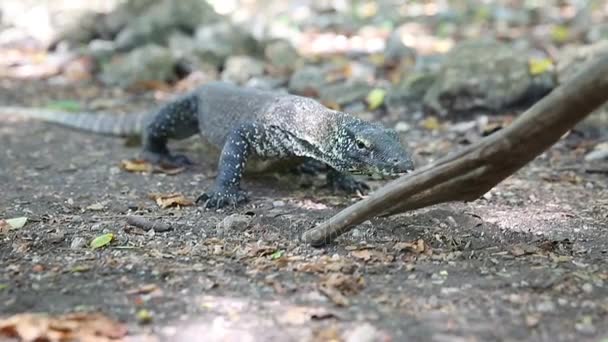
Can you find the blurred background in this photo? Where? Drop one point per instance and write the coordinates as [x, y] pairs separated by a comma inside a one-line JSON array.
[[407, 63]]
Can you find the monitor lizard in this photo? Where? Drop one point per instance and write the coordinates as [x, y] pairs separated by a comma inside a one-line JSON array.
[[246, 122]]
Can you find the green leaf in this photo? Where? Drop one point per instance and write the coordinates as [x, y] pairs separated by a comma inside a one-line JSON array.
[[102, 240], [279, 253], [539, 66], [65, 105], [3, 287], [560, 33], [144, 316], [375, 98], [16, 222]]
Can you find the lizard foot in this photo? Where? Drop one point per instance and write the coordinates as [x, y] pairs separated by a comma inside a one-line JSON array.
[[167, 160], [222, 198], [344, 182]]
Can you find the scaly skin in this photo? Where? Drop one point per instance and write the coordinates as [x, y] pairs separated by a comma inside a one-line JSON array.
[[246, 123]]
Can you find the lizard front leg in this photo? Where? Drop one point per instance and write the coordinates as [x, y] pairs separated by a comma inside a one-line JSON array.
[[343, 181], [236, 150]]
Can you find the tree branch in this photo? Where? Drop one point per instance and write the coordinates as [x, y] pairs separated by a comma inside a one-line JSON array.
[[468, 174]]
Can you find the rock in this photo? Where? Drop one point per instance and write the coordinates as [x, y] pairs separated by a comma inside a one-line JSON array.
[[240, 69], [278, 204], [344, 92], [402, 126], [307, 81], [569, 63], [147, 63], [234, 222], [396, 51], [600, 152], [99, 49], [159, 20], [216, 42], [572, 59], [266, 83], [597, 33], [407, 96], [78, 242], [281, 55], [364, 332], [485, 76]]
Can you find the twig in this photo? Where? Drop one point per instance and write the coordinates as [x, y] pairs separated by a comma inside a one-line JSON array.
[[468, 174], [145, 224]]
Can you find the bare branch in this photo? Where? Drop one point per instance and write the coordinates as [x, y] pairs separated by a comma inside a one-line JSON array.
[[468, 174]]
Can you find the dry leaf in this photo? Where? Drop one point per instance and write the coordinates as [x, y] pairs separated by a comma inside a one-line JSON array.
[[431, 123], [363, 254], [336, 286], [171, 200], [298, 315], [140, 165], [419, 246], [69, 327]]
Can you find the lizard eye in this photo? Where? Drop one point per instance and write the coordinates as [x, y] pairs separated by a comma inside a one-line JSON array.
[[361, 144]]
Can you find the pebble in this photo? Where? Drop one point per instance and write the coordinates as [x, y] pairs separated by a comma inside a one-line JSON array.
[[78, 242]]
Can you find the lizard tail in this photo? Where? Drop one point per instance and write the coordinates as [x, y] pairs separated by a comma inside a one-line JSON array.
[[124, 125]]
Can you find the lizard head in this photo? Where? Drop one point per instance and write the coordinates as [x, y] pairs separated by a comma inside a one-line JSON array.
[[372, 149]]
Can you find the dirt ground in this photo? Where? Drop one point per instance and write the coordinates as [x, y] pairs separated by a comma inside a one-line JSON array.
[[525, 263]]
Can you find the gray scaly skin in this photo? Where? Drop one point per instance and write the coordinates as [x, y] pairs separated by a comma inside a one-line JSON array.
[[246, 122]]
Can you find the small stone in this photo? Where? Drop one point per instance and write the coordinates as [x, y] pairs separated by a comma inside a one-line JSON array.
[[148, 63], [600, 152], [239, 69], [235, 222], [402, 126], [307, 81], [281, 55], [277, 204], [546, 306], [78, 242], [587, 288], [363, 333]]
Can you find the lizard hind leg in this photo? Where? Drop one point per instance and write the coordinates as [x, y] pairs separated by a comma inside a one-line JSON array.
[[174, 120]]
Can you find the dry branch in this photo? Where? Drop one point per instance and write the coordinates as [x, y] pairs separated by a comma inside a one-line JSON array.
[[468, 174]]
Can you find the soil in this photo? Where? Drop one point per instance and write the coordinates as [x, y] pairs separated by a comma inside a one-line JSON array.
[[527, 262]]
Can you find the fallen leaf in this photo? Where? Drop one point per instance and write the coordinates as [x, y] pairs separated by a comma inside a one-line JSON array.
[[69, 327], [139, 165], [560, 34], [375, 98], [276, 255], [144, 289], [96, 207], [419, 246], [298, 315], [336, 286], [3, 287], [135, 165], [538, 66], [171, 200], [17, 222], [102, 240], [362, 254], [431, 123], [143, 316]]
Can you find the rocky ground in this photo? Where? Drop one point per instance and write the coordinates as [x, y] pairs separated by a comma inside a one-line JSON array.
[[525, 262]]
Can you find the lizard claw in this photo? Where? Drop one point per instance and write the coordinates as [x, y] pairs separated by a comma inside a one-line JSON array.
[[167, 160], [346, 183], [223, 198]]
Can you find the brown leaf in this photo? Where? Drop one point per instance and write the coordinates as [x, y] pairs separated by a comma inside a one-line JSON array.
[[298, 315], [523, 249], [171, 200], [363, 254], [336, 286], [4, 227], [419, 246], [76, 326], [140, 165]]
